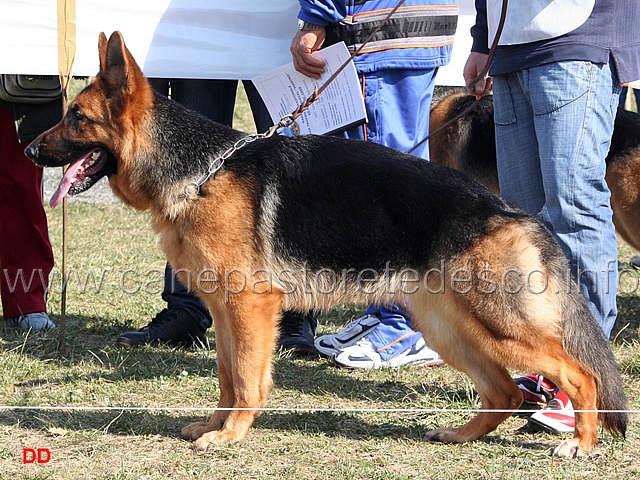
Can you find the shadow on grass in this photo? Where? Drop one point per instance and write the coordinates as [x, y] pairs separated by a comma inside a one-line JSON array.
[[95, 358], [351, 426], [85, 342]]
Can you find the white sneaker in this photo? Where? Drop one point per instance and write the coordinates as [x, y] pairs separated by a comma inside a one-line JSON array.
[[33, 321], [332, 344], [556, 417], [363, 355]]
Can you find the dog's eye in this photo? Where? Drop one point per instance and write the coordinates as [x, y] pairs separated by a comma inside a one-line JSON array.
[[76, 114]]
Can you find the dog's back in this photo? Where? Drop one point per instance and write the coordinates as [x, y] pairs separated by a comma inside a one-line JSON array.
[[399, 197]]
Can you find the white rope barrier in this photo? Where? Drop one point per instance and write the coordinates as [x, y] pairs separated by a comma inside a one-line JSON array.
[[290, 409]]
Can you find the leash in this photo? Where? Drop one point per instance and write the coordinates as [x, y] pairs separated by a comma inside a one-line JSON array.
[[483, 73], [193, 189], [66, 16], [288, 120]]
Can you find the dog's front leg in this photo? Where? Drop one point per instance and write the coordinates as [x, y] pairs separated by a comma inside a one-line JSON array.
[[246, 332]]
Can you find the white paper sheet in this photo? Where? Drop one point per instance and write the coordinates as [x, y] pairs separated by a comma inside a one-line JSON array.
[[339, 107]]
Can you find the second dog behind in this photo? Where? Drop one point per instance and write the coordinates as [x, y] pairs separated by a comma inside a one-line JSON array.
[[469, 145]]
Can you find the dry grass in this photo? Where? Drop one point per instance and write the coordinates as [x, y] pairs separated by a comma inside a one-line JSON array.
[[90, 371]]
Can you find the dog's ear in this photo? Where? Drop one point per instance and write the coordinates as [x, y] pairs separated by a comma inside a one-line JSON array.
[[116, 63], [102, 51], [120, 72]]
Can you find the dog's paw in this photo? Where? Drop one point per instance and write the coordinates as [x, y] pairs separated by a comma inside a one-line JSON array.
[[216, 438], [570, 449], [195, 430], [444, 435]]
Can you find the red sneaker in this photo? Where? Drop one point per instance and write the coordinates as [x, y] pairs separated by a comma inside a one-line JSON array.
[[537, 390]]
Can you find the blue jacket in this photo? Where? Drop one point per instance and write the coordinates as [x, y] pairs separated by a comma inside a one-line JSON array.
[[611, 32], [413, 45]]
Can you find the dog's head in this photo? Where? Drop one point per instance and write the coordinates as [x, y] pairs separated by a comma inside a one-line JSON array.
[[100, 124]]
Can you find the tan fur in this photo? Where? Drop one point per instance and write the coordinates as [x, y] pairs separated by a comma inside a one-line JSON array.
[[622, 178], [447, 147], [482, 342], [444, 145]]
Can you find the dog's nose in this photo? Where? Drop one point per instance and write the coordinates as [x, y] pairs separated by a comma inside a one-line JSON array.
[[31, 151]]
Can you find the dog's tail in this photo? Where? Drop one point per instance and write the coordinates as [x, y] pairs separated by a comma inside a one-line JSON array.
[[584, 340]]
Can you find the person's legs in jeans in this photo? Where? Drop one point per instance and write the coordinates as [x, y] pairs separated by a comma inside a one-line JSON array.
[[398, 103], [570, 108], [553, 129]]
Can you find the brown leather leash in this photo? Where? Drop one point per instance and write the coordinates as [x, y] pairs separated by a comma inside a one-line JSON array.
[[193, 189], [483, 73]]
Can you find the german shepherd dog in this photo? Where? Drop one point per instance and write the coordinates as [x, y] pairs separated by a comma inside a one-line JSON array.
[[469, 145], [317, 221]]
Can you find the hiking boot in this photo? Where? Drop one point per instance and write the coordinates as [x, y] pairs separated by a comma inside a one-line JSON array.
[[297, 332], [537, 391], [331, 344], [556, 417], [33, 321], [362, 355], [173, 327]]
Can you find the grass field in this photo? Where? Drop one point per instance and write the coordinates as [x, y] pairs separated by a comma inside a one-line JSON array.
[[115, 281]]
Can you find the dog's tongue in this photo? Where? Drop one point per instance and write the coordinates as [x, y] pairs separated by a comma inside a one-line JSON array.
[[65, 184]]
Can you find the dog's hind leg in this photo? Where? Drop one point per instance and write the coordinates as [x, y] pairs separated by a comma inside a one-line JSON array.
[[496, 390], [459, 337], [580, 386], [245, 339]]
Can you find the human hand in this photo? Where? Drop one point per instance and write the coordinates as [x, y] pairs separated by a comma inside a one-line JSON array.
[[472, 69], [303, 46]]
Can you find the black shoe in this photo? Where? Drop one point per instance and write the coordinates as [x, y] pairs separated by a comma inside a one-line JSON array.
[[635, 262], [297, 333], [173, 327]]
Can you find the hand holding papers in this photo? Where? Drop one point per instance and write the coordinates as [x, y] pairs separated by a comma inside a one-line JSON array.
[[339, 107]]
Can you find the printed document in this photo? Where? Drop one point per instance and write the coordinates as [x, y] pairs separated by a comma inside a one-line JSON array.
[[339, 107]]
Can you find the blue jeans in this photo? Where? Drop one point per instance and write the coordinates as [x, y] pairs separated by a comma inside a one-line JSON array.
[[553, 130], [215, 99]]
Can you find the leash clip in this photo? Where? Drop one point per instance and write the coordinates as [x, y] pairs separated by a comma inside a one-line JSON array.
[[193, 189]]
